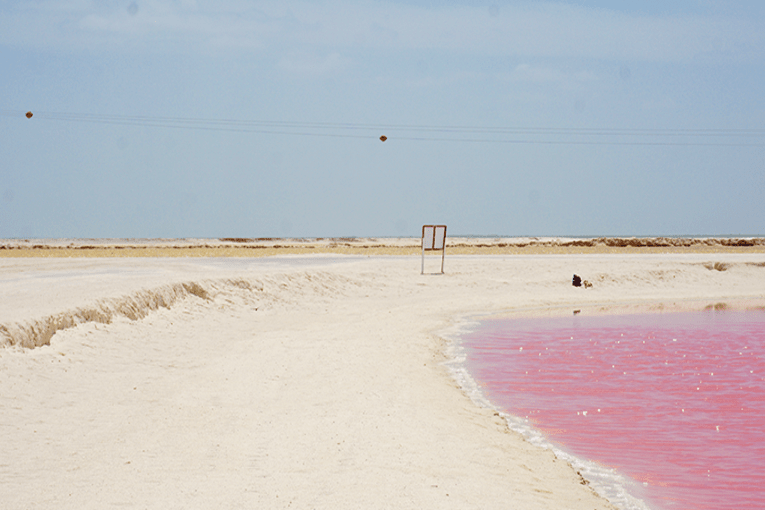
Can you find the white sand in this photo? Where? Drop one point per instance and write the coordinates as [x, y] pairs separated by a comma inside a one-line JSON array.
[[293, 382]]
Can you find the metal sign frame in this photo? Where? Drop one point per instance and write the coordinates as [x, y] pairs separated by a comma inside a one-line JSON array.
[[433, 239]]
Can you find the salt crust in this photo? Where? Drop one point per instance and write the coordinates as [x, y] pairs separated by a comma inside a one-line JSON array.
[[300, 382]]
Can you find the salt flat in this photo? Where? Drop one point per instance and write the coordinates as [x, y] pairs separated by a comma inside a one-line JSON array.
[[292, 382]]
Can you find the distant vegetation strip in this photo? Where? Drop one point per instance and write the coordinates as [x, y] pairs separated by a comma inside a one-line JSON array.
[[263, 247]]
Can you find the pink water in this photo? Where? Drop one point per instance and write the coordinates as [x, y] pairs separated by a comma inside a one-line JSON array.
[[673, 401]]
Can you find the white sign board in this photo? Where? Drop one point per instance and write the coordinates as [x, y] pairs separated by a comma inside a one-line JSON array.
[[433, 238]]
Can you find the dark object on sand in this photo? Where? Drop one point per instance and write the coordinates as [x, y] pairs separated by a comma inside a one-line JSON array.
[[29, 115], [576, 281], [383, 138]]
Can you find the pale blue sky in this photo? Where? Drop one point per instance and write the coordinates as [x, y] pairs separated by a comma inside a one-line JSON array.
[[556, 70]]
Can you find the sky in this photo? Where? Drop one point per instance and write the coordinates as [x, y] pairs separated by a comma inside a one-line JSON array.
[[234, 118]]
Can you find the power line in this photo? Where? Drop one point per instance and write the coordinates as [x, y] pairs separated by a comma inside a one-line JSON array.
[[419, 133]]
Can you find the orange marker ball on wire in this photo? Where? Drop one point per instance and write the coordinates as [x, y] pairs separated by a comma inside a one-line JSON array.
[[383, 138], [29, 115]]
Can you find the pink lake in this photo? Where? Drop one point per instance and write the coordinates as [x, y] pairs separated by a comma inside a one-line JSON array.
[[674, 401]]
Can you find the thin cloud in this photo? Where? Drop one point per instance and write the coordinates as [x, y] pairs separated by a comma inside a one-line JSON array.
[[313, 65], [537, 74], [539, 29]]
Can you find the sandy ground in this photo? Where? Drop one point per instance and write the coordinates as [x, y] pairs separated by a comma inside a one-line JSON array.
[[301, 381]]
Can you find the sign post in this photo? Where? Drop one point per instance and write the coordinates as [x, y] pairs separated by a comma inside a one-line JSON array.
[[433, 239]]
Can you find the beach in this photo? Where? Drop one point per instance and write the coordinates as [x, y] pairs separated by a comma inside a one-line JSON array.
[[302, 374]]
